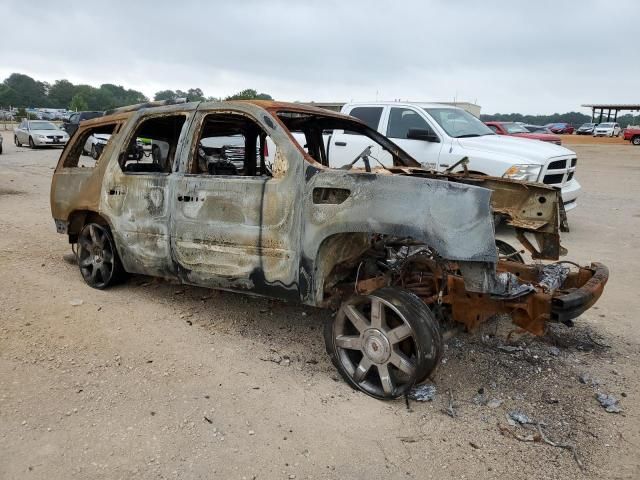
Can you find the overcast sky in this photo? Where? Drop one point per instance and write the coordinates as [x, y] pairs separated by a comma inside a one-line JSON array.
[[538, 57]]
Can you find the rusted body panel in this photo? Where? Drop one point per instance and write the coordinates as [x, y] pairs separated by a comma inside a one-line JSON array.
[[299, 233]]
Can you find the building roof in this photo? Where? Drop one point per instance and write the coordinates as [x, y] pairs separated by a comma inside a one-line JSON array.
[[614, 106]]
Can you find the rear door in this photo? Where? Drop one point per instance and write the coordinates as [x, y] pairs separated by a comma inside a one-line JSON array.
[[344, 146], [136, 194], [399, 121]]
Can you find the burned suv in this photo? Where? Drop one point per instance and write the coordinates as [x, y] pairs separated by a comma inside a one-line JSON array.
[[242, 196]]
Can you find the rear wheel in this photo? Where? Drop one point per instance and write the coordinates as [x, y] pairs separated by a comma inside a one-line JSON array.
[[384, 342], [97, 257]]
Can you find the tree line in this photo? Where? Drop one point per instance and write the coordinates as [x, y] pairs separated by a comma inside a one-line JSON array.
[[22, 91]]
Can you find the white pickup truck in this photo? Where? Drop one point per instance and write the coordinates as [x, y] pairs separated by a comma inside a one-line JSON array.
[[439, 135]]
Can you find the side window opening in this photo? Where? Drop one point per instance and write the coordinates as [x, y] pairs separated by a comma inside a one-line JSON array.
[[401, 120], [86, 151], [368, 115], [313, 132], [152, 147], [231, 144]]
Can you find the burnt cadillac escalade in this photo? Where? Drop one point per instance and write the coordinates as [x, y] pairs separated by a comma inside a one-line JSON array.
[[242, 196]]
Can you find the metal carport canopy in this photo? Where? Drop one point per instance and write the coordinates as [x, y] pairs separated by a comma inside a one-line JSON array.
[[610, 107]]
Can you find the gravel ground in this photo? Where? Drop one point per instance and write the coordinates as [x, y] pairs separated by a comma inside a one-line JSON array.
[[157, 380]]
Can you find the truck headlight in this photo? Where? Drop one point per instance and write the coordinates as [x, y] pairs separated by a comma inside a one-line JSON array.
[[525, 173]]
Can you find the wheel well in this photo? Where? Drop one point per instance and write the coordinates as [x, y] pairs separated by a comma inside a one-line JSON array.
[[79, 218], [336, 258]]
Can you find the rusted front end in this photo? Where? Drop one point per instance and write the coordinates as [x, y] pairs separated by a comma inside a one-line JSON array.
[[440, 285]]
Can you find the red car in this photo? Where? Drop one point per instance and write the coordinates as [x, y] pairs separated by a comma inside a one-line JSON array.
[[632, 134], [560, 128], [517, 130]]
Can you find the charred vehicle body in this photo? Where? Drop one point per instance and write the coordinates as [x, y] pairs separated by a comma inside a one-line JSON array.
[[398, 251]]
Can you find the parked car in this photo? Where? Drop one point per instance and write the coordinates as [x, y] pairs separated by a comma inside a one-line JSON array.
[[438, 136], [95, 143], [39, 133], [586, 129], [71, 125], [632, 134], [537, 129], [517, 130], [381, 246], [607, 129], [0, 144], [560, 128]]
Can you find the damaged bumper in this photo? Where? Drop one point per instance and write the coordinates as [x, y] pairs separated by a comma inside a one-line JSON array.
[[564, 308]]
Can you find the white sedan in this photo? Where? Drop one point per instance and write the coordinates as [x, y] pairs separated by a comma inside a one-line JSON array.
[[38, 133], [608, 129]]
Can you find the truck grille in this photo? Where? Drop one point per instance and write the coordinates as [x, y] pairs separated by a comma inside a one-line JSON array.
[[560, 172]]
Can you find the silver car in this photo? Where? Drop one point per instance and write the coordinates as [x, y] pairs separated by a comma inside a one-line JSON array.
[[39, 133]]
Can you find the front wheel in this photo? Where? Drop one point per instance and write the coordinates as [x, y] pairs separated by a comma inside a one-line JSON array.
[[94, 152], [31, 144], [636, 140], [16, 141], [97, 257], [385, 342]]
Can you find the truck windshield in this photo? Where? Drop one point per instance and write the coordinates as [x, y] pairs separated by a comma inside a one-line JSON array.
[[459, 123]]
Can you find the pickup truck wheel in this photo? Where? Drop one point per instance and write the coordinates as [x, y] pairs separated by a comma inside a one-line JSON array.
[[384, 342], [636, 140], [97, 257]]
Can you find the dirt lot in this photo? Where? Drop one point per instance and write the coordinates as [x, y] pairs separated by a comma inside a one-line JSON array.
[[157, 380]]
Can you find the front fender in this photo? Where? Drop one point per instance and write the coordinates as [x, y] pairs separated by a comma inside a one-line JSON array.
[[454, 219]]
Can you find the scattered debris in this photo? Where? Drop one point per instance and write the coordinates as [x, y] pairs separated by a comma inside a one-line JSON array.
[[423, 393], [474, 445], [409, 439], [520, 417], [587, 379], [548, 397], [555, 351], [479, 399], [609, 402], [76, 302], [539, 436], [450, 410], [494, 403], [208, 420], [510, 348]]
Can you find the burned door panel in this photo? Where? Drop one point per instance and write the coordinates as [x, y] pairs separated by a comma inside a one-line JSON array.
[[135, 195], [238, 231]]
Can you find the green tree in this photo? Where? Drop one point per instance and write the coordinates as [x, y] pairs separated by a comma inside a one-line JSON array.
[[249, 94], [78, 103], [165, 95], [25, 91], [61, 93]]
